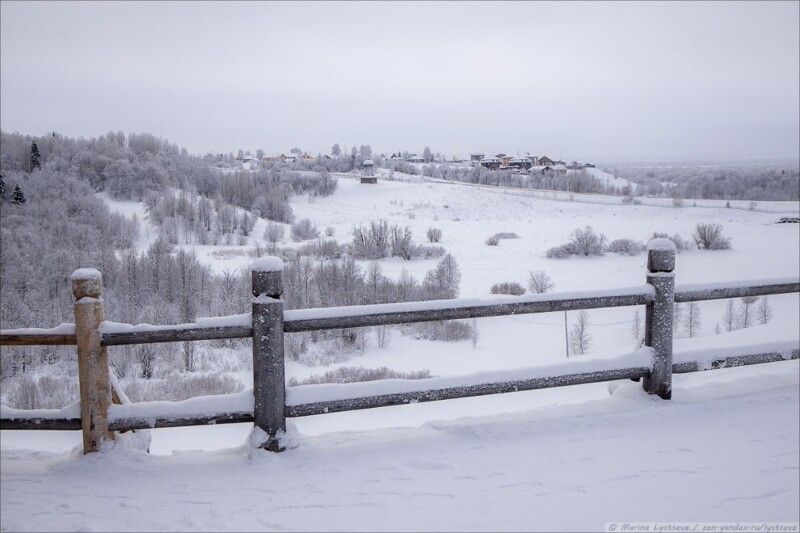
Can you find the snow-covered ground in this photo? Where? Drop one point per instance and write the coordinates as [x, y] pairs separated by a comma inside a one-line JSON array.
[[724, 449]]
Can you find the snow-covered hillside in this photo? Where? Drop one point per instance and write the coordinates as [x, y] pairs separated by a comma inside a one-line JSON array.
[[523, 461]]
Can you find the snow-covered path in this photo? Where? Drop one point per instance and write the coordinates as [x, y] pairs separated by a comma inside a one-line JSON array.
[[725, 449]]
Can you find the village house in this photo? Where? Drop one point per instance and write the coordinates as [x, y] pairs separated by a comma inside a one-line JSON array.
[[416, 159], [492, 163], [520, 163]]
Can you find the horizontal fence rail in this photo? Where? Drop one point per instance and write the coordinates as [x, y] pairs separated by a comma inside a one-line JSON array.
[[165, 417], [404, 313], [717, 291], [63, 335], [269, 403]]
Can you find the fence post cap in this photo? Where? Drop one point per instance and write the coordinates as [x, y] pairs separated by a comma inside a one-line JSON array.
[[268, 264], [86, 282], [267, 276], [661, 255]]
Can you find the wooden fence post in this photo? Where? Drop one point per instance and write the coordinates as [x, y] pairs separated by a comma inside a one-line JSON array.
[[269, 387], [659, 315], [93, 374]]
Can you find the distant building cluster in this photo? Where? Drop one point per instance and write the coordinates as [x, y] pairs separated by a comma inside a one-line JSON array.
[[524, 164]]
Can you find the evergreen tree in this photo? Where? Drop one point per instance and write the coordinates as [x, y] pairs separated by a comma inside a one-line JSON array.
[[2, 189], [36, 157], [18, 198]]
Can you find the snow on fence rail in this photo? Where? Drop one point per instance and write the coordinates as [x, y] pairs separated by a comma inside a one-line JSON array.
[[268, 404]]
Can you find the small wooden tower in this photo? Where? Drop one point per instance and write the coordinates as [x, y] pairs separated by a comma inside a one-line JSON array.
[[369, 173]]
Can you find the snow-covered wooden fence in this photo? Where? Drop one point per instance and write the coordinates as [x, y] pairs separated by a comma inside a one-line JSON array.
[[270, 403]]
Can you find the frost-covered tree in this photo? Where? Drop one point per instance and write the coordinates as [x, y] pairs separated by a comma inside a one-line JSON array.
[[746, 311], [426, 155], [729, 317], [17, 197], [677, 316], [579, 337], [539, 282], [691, 321], [764, 311], [709, 237], [443, 282], [637, 325], [336, 150], [434, 234]]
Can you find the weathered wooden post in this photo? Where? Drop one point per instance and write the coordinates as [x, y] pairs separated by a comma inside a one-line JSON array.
[[93, 374], [659, 315], [269, 388]]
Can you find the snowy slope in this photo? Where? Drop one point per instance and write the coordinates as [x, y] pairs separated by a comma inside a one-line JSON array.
[[724, 449]]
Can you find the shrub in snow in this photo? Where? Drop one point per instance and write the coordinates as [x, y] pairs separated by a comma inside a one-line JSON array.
[[304, 230], [428, 252], [178, 387], [584, 242], [46, 392], [354, 374], [709, 237], [626, 247], [539, 282], [497, 237], [508, 287], [448, 330], [434, 234], [274, 232]]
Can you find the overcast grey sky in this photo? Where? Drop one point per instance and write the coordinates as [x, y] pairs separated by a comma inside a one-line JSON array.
[[574, 80]]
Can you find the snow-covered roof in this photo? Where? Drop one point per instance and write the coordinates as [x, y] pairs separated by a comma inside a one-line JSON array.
[[490, 159], [521, 160], [368, 163]]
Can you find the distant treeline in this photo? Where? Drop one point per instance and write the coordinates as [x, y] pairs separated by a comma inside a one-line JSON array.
[[742, 182]]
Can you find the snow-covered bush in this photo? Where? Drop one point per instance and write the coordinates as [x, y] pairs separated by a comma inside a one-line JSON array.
[[274, 232], [448, 330], [709, 237], [626, 247], [45, 392], [508, 287], [354, 374], [539, 282], [434, 234], [584, 242], [428, 252], [492, 241], [304, 230], [178, 387]]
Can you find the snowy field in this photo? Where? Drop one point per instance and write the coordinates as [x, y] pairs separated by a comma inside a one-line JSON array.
[[726, 448]]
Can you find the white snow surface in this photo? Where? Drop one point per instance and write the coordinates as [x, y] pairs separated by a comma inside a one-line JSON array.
[[725, 449]]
